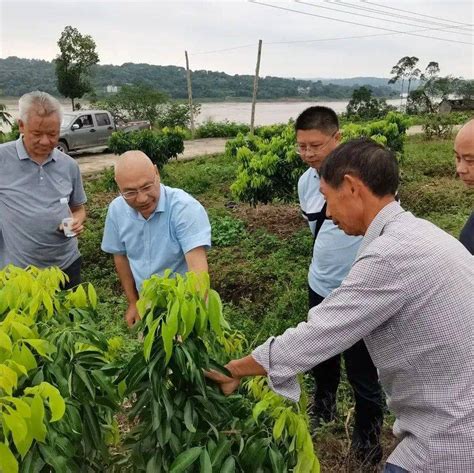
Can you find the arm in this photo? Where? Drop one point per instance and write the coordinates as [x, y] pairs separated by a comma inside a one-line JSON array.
[[196, 259], [371, 294], [128, 284], [79, 216]]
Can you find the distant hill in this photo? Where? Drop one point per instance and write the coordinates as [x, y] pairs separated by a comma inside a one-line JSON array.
[[18, 76], [367, 81]]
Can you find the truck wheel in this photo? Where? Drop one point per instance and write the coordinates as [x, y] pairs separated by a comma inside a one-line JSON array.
[[62, 146]]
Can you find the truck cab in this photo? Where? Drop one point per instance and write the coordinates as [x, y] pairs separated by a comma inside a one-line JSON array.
[[85, 129]]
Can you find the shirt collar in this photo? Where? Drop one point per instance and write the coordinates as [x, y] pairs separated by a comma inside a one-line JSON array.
[[23, 154], [388, 213]]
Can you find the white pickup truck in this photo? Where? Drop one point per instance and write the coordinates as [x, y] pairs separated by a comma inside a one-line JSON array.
[[91, 129]]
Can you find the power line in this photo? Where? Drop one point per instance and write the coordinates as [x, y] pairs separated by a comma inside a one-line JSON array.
[[395, 15], [413, 13], [223, 50], [372, 17], [354, 23]]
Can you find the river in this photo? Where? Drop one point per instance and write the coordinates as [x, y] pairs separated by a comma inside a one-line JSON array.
[[266, 113]]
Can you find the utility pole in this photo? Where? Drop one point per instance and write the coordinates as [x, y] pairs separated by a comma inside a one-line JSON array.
[[190, 93], [255, 87]]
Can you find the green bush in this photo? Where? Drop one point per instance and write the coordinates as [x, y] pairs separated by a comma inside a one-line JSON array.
[[158, 146], [437, 126], [225, 129], [227, 231]]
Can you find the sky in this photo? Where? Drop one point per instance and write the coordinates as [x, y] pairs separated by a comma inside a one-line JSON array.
[[223, 35]]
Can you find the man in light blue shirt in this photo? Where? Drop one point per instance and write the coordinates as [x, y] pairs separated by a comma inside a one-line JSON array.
[[151, 228], [317, 135]]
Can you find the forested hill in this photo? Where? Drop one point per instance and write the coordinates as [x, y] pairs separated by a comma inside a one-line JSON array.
[[18, 76]]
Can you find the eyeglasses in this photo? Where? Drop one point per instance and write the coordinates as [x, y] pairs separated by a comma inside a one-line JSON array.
[[300, 148], [130, 195]]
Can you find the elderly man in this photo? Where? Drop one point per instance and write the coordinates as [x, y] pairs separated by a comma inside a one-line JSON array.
[[317, 135], [39, 186], [151, 228], [409, 296], [464, 151]]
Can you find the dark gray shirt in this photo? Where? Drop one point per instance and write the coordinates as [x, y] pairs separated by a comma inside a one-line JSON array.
[[409, 294], [30, 208], [467, 234]]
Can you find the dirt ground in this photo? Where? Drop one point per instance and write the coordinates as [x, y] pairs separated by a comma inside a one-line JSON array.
[[96, 160]]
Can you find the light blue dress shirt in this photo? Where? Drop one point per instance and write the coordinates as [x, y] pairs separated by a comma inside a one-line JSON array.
[[178, 225], [334, 251]]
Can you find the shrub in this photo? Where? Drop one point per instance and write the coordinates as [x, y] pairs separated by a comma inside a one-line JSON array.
[[159, 147], [437, 125], [52, 354], [176, 115], [225, 129], [182, 422], [226, 231]]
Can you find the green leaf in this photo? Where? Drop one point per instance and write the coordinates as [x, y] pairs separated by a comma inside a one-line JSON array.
[[214, 308], [279, 425], [277, 461], [92, 295], [167, 334], [17, 425], [149, 339], [81, 372], [5, 342], [228, 466], [172, 318], [205, 465], [43, 347], [8, 379], [23, 356], [38, 429], [8, 463], [80, 297], [185, 460], [188, 416]]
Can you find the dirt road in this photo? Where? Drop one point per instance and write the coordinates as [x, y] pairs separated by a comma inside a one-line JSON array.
[[94, 160]]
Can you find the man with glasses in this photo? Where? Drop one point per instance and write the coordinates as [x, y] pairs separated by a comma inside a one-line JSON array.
[[317, 135], [151, 227]]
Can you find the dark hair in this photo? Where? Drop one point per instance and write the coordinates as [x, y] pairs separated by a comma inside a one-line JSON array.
[[375, 165], [318, 118]]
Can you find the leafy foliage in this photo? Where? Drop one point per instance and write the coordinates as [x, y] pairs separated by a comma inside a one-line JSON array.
[[226, 231], [52, 355], [184, 424], [73, 64], [269, 168], [363, 105], [158, 146], [437, 125]]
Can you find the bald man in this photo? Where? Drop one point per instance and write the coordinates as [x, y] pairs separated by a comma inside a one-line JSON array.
[[151, 227], [464, 151]]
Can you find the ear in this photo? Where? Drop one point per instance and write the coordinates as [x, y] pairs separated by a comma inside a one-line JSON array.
[[352, 184], [21, 126], [338, 137]]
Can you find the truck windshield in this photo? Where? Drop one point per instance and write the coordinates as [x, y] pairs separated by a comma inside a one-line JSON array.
[[67, 118]]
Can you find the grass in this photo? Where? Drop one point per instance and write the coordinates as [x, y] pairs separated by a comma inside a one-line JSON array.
[[260, 256]]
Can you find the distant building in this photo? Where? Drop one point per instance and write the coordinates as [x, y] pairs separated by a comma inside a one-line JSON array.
[[303, 90], [456, 105], [112, 89]]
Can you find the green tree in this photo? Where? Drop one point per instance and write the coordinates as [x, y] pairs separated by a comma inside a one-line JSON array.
[[363, 105], [74, 63], [405, 70], [135, 102]]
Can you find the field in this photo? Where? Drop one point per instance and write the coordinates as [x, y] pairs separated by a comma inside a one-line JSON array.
[[260, 255]]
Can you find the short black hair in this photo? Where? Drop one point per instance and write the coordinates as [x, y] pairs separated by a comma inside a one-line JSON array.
[[318, 118], [375, 165]]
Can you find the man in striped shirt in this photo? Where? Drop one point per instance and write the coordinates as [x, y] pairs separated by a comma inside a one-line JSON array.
[[409, 295]]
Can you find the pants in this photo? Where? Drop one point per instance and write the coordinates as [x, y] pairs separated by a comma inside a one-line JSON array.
[[74, 273], [390, 468], [369, 403]]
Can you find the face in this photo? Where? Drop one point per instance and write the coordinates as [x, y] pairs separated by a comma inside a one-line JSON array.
[[315, 145], [344, 206], [141, 190], [40, 134], [464, 152]]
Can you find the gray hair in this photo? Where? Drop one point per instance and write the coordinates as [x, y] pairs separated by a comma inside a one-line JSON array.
[[42, 103]]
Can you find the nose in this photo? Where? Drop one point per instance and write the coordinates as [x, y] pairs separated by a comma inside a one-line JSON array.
[[141, 196], [461, 166], [44, 140]]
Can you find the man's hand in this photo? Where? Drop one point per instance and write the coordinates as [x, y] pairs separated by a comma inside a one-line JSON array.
[[131, 315], [227, 384], [77, 226]]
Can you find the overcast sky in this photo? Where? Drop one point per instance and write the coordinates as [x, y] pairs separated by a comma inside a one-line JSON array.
[[158, 32]]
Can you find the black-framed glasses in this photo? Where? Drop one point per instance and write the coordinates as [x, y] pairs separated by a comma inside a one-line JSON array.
[[303, 148]]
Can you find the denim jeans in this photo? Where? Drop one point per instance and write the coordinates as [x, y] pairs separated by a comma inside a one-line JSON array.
[[74, 273], [390, 468]]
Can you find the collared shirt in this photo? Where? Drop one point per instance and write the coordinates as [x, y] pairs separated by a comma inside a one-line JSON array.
[[30, 207], [467, 234], [178, 225], [409, 294], [333, 251]]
